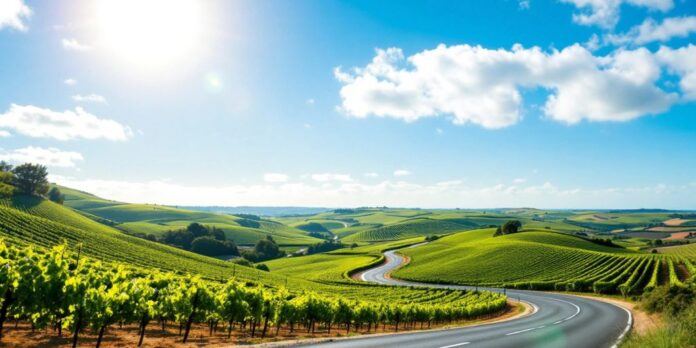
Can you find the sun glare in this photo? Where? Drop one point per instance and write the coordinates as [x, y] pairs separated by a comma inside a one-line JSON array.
[[150, 33]]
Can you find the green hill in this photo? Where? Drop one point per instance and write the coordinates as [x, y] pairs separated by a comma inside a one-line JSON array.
[[408, 229], [533, 259], [33, 221], [156, 219]]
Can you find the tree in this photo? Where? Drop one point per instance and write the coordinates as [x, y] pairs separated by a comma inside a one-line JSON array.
[[55, 195], [210, 246], [5, 167], [31, 179], [512, 226]]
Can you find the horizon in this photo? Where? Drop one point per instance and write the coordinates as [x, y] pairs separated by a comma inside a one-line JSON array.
[[350, 104]]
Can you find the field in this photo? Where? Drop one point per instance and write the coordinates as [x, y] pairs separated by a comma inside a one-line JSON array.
[[539, 260], [688, 250], [32, 221], [156, 219]]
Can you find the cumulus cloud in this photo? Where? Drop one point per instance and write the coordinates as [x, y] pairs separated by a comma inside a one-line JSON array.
[[681, 61], [371, 175], [70, 82], [402, 172], [4, 134], [51, 156], [327, 177], [38, 122], [89, 98], [74, 45], [275, 177], [605, 13], [483, 86], [651, 31], [13, 14]]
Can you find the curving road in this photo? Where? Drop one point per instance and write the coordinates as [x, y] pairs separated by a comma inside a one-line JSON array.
[[556, 321]]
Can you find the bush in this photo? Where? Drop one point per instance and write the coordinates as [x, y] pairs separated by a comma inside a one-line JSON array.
[[509, 227], [55, 195], [263, 267], [212, 247]]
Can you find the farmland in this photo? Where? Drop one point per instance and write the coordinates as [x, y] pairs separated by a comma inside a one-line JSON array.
[[540, 260]]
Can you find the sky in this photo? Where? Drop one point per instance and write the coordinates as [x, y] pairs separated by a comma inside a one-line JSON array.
[[437, 104]]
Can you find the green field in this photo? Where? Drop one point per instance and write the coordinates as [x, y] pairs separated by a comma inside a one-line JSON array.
[[688, 250], [537, 260], [33, 221], [156, 219]]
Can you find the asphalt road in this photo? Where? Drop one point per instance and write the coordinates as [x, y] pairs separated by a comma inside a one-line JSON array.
[[557, 321]]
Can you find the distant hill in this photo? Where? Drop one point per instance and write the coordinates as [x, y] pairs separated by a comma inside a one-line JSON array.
[[261, 211]]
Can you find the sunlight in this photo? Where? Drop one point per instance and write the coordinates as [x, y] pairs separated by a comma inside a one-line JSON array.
[[150, 33]]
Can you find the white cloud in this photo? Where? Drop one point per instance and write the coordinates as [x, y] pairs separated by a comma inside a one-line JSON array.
[[483, 86], [310, 101], [51, 156], [681, 61], [74, 45], [650, 31], [70, 82], [402, 172], [605, 13], [4, 134], [275, 177], [38, 122], [439, 130], [523, 4], [371, 175], [307, 126], [327, 177], [89, 98], [13, 14], [519, 180], [446, 194]]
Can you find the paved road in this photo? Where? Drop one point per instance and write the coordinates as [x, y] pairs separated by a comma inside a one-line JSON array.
[[557, 321]]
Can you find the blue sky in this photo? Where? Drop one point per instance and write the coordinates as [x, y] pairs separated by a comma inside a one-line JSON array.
[[552, 104]]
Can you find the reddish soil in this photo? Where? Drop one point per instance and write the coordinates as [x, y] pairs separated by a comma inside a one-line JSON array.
[[22, 335]]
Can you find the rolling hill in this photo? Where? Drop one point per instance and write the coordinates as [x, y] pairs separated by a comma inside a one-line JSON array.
[[143, 219], [537, 260]]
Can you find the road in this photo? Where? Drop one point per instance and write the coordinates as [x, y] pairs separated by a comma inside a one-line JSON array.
[[557, 321]]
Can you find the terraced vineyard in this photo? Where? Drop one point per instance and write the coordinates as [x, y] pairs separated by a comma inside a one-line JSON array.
[[688, 250], [541, 260]]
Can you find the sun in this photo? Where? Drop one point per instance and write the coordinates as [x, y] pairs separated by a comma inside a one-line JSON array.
[[150, 33]]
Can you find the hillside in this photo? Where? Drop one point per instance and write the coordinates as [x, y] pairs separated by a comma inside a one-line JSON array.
[[33, 221], [536, 260], [144, 219]]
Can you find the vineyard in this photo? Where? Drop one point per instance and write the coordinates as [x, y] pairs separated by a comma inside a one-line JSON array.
[[688, 251], [408, 229], [66, 291], [542, 261], [157, 219]]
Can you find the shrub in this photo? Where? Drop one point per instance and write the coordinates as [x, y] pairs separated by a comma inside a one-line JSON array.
[[212, 247]]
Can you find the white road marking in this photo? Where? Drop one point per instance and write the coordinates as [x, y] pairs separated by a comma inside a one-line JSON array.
[[626, 329], [456, 345], [577, 310], [521, 331]]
